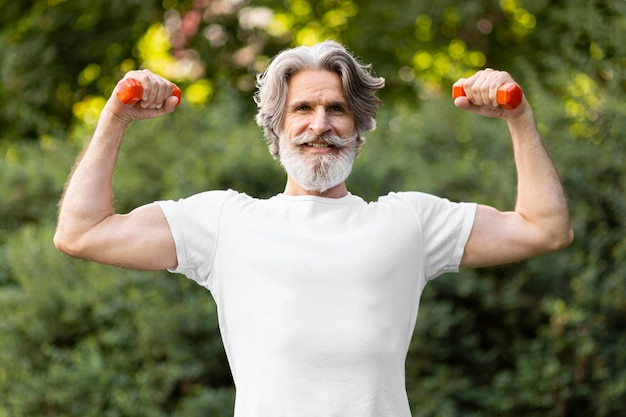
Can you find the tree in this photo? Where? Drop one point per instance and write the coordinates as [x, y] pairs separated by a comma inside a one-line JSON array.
[[55, 53]]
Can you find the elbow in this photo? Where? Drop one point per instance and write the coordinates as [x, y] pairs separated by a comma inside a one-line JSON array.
[[561, 239], [566, 234], [61, 242], [66, 243], [569, 237]]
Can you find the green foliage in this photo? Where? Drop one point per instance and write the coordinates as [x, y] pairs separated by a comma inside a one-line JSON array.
[[542, 337], [82, 339], [30, 178], [54, 53]]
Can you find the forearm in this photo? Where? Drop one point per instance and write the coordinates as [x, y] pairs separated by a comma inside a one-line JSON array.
[[541, 199], [88, 196]]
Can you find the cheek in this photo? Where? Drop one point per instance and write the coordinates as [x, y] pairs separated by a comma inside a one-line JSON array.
[[292, 128], [347, 129], [344, 125]]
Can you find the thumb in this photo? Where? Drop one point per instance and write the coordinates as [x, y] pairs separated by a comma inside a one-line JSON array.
[[168, 106], [463, 102]]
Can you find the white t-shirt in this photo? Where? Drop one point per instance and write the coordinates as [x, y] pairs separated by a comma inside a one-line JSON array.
[[317, 298]]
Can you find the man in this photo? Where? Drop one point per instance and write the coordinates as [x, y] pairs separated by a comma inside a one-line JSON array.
[[317, 291]]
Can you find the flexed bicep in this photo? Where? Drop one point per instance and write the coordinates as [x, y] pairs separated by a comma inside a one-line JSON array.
[[140, 239], [503, 237], [88, 226]]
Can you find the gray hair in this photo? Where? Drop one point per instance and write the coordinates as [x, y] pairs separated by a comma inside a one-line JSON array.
[[359, 87]]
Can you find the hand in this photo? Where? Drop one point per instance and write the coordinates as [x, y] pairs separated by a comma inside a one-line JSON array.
[[156, 99], [481, 93]]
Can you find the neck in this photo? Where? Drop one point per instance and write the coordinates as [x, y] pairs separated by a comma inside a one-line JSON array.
[[293, 188]]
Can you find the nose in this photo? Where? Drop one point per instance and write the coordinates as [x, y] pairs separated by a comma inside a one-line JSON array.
[[320, 122]]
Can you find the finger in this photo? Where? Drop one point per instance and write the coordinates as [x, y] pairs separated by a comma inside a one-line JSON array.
[[153, 90], [482, 88], [150, 89], [167, 106], [170, 104], [162, 90], [500, 77], [493, 94], [462, 102], [471, 87]]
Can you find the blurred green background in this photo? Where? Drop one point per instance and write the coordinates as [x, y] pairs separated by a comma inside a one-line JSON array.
[[544, 337]]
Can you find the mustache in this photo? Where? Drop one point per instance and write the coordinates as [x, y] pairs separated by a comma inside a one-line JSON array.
[[333, 140]]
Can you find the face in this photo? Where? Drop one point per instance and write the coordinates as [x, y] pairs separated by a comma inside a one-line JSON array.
[[318, 141]]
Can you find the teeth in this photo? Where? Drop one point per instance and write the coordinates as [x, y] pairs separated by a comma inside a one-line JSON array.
[[318, 145]]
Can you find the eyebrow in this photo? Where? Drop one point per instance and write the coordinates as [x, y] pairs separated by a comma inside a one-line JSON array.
[[333, 103]]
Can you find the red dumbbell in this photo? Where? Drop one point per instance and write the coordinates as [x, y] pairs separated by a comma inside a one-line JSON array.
[[509, 94], [130, 91]]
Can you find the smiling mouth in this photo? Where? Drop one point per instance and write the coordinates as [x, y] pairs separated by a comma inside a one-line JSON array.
[[319, 142], [318, 145]]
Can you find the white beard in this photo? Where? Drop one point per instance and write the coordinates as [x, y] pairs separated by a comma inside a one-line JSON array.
[[317, 172]]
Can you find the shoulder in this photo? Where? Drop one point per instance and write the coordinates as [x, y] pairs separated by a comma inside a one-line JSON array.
[[407, 196], [428, 207], [203, 206], [208, 198], [414, 199]]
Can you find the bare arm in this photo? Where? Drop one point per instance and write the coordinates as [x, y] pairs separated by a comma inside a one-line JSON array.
[[87, 226], [540, 222]]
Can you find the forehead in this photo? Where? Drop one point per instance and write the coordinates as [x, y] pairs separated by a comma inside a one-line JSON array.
[[315, 85]]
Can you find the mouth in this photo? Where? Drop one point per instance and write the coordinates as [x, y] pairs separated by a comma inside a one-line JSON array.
[[319, 145]]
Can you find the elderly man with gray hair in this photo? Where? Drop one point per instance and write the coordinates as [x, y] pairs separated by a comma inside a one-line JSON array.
[[317, 290]]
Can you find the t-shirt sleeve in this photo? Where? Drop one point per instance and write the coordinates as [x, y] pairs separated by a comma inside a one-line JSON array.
[[194, 223], [446, 227]]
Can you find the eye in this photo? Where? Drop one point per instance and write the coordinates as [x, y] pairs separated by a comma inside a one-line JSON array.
[[336, 109], [302, 107]]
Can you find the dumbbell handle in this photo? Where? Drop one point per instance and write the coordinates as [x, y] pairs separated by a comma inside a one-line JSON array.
[[129, 91], [509, 94]]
